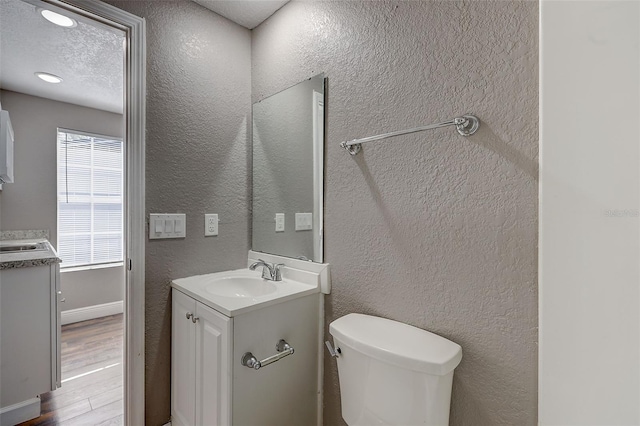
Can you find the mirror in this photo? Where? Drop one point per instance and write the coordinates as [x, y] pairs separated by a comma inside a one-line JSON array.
[[288, 147]]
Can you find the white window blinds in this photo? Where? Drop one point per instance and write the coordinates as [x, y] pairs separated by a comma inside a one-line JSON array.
[[90, 185]]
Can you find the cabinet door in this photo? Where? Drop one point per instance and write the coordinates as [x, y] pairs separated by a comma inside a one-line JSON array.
[[56, 327], [183, 367], [213, 367], [25, 334]]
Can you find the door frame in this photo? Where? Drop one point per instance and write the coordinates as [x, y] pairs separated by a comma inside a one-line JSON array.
[[134, 28]]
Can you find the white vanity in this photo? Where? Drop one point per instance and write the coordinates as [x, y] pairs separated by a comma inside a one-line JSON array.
[[221, 319], [29, 327], [247, 350]]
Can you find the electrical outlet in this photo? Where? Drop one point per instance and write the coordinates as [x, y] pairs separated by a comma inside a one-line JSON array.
[[210, 225]]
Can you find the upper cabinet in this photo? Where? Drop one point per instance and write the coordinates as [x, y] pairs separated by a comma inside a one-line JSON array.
[[6, 149]]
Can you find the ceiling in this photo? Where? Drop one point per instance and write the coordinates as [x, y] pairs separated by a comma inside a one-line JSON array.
[[248, 13], [89, 58]]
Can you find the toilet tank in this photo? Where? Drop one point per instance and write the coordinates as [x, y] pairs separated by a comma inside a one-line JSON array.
[[392, 373]]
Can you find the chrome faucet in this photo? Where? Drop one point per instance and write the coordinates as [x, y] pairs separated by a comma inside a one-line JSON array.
[[270, 272]]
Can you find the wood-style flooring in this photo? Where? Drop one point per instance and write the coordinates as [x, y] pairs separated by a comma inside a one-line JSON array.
[[92, 378]]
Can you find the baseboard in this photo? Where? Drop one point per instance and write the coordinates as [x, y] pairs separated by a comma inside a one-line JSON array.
[[91, 312], [20, 412]]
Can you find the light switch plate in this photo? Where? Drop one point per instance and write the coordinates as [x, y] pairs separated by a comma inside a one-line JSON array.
[[210, 225], [304, 221], [279, 222], [165, 225]]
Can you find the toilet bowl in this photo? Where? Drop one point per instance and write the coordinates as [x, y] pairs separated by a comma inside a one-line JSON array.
[[391, 373]]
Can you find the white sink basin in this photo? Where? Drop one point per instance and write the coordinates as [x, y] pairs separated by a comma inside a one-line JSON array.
[[242, 287], [235, 292]]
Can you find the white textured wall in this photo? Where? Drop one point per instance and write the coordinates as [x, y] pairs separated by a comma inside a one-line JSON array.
[[589, 200], [431, 229], [198, 107]]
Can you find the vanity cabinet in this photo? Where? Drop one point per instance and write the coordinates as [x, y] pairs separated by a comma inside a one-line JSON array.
[[200, 368], [210, 385]]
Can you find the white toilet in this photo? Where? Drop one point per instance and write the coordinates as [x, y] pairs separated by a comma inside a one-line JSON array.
[[392, 373]]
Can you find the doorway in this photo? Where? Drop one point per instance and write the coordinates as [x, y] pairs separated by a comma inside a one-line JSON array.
[[99, 15]]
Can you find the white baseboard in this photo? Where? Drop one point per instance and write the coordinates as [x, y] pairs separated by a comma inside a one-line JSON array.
[[91, 312], [20, 412]]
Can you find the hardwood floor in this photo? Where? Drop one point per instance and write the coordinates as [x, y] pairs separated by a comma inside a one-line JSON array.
[[92, 377]]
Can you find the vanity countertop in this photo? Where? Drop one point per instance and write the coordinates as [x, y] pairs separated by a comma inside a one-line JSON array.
[[238, 300], [43, 254]]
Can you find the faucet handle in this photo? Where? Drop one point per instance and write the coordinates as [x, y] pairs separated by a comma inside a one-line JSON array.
[[266, 272], [277, 274]]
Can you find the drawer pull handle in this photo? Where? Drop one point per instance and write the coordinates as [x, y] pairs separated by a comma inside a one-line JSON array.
[[283, 348]]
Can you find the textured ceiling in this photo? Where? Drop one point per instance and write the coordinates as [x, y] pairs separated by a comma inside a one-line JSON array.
[[89, 58], [248, 13]]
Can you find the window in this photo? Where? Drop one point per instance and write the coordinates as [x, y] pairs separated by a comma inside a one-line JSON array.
[[90, 186]]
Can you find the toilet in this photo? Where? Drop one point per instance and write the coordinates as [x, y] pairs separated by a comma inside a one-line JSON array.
[[391, 373]]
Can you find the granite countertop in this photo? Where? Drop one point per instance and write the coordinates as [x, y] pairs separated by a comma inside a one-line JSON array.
[[44, 254]]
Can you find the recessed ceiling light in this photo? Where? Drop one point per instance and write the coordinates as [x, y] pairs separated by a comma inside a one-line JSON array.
[[58, 19], [49, 78]]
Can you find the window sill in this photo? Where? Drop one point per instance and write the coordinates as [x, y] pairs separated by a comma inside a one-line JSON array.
[[90, 267]]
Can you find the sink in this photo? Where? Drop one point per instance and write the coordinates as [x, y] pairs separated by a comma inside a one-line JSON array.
[[16, 248], [240, 287], [242, 290]]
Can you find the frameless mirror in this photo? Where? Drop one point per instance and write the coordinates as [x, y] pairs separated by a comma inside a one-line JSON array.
[[288, 147]]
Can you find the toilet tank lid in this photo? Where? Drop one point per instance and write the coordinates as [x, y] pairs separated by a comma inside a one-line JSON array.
[[397, 343]]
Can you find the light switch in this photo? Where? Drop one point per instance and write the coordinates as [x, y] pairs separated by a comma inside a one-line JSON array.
[[179, 225], [163, 225], [279, 222], [304, 221]]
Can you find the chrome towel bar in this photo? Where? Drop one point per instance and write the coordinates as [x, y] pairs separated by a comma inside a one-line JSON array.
[[284, 349], [466, 125]]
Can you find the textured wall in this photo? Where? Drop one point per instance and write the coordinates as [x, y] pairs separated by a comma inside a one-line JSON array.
[[431, 229], [198, 106]]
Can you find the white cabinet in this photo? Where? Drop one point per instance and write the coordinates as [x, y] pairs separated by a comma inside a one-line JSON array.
[[211, 387], [6, 149], [29, 334], [200, 364]]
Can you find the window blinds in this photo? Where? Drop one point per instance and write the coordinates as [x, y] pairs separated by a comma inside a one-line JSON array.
[[90, 186]]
